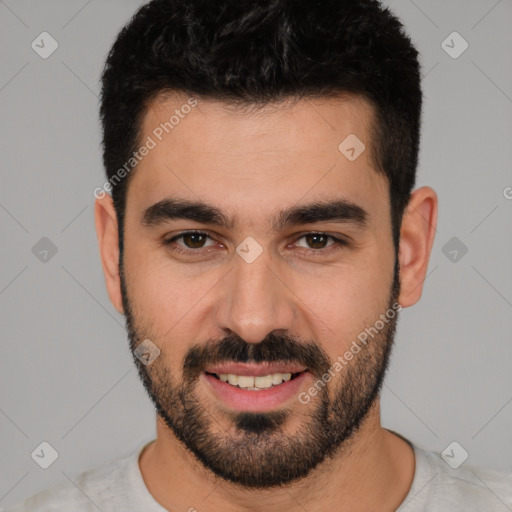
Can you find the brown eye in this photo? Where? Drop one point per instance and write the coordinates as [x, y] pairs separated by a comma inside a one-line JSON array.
[[194, 240], [316, 240], [319, 243]]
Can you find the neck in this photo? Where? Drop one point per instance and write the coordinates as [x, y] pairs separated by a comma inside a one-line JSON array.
[[373, 470]]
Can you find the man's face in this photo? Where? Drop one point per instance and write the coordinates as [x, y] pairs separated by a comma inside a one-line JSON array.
[[254, 300]]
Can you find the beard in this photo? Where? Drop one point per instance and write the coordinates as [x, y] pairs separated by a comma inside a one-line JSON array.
[[255, 450]]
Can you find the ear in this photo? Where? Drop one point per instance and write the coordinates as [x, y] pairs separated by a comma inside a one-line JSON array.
[[108, 240], [416, 239]]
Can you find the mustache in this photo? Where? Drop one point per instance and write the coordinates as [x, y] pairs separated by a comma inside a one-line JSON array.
[[273, 348]]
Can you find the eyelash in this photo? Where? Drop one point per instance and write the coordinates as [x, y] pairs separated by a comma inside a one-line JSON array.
[[336, 246]]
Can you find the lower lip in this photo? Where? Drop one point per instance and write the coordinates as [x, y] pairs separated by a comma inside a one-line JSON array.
[[255, 401]]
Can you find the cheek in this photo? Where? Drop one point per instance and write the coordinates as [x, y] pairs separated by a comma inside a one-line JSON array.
[[341, 307], [171, 303]]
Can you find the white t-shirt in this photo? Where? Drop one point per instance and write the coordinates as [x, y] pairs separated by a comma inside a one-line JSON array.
[[436, 487]]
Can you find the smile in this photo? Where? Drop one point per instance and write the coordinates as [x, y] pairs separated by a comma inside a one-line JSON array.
[[256, 387], [255, 383]]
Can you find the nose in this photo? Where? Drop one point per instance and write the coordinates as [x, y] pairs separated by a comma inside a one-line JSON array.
[[255, 300]]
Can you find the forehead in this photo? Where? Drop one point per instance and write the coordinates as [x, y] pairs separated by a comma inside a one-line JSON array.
[[253, 157], [307, 125]]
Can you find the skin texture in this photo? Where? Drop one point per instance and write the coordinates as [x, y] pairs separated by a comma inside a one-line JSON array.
[[251, 165]]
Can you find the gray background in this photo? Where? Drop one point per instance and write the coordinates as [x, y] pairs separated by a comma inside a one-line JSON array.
[[66, 375]]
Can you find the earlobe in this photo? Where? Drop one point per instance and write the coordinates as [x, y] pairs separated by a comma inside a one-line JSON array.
[[108, 241], [416, 239]]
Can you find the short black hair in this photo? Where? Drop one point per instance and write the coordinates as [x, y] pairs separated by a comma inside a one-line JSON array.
[[254, 52]]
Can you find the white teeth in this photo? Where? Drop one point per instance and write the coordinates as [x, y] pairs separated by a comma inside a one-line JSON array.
[[255, 383], [277, 378], [263, 382], [245, 381]]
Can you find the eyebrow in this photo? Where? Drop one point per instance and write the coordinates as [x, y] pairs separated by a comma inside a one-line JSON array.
[[340, 210]]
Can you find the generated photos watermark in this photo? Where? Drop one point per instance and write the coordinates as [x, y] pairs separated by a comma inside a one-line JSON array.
[[150, 143], [355, 348]]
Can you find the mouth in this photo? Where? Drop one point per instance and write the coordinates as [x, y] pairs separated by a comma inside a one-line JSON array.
[[255, 387], [256, 383]]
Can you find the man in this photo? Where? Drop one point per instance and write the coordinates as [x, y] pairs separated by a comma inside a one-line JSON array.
[[261, 238]]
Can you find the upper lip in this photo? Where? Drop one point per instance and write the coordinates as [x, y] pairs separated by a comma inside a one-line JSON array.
[[255, 369]]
